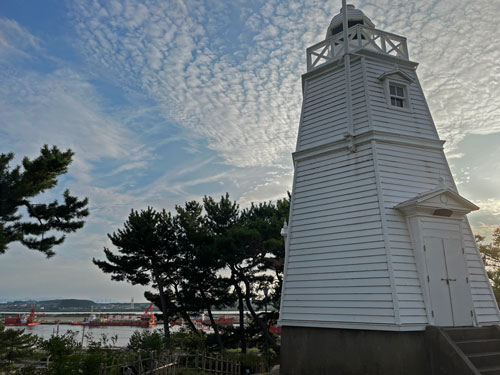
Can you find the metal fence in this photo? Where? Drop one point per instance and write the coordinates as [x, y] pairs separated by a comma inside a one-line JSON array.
[[173, 364]]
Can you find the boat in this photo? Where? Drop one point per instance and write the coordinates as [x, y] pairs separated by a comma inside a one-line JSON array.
[[23, 319], [221, 321], [146, 320]]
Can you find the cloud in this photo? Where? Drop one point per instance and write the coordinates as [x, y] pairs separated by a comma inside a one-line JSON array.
[[459, 68], [234, 81], [227, 75], [61, 108], [273, 187], [15, 40], [59, 277], [239, 92]]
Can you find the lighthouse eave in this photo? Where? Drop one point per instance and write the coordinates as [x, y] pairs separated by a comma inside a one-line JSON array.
[[357, 54], [354, 325]]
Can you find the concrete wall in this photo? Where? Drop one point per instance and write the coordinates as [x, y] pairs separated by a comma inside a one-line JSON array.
[[343, 351]]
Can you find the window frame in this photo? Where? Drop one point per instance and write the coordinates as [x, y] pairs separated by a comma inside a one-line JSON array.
[[403, 98], [397, 80]]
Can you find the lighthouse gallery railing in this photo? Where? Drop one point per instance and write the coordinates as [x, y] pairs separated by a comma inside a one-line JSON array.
[[359, 37]]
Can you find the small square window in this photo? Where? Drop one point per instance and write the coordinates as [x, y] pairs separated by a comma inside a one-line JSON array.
[[397, 93], [397, 102]]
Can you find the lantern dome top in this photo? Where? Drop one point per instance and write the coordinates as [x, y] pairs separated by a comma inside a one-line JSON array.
[[354, 17]]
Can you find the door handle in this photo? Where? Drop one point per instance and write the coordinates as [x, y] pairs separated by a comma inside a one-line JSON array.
[[448, 280]]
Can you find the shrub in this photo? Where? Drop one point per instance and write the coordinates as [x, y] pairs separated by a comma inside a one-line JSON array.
[[142, 341]]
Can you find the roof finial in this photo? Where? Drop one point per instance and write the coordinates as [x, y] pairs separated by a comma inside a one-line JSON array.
[[442, 183], [284, 230], [345, 26]]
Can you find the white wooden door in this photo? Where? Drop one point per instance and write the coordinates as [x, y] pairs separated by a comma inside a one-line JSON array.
[[461, 298], [448, 281]]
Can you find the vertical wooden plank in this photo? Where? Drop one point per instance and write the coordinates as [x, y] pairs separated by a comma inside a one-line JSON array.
[[368, 104], [385, 233]]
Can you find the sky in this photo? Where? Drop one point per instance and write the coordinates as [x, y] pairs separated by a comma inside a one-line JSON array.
[[167, 101]]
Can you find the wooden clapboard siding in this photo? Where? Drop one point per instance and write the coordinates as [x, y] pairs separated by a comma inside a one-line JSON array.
[[485, 305], [337, 268], [350, 259], [405, 172], [358, 98], [395, 178], [416, 122], [324, 115]]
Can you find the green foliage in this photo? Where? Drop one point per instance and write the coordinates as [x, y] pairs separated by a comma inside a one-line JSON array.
[[67, 356], [204, 256], [147, 247], [145, 243], [146, 341], [19, 186], [491, 259], [63, 352], [15, 346], [253, 360], [188, 341]]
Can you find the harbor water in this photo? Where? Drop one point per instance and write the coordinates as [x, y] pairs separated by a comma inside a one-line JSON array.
[[119, 334]]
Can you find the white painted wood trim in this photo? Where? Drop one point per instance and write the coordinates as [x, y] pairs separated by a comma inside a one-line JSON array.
[[358, 326], [388, 58], [417, 82], [368, 102], [383, 137], [462, 238], [419, 246], [347, 63], [385, 234], [385, 84], [347, 70], [299, 132], [287, 242], [355, 55], [484, 272], [475, 244]]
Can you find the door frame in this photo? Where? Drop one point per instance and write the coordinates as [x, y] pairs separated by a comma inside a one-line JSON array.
[[447, 279], [442, 203]]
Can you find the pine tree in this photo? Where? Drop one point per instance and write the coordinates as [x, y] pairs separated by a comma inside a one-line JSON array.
[[15, 345], [147, 249], [491, 259], [200, 264], [19, 187], [253, 251]]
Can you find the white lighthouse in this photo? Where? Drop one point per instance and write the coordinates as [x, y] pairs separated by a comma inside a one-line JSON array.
[[378, 243]]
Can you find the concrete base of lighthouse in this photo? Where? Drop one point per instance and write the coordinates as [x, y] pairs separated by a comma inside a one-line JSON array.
[[369, 352], [348, 351]]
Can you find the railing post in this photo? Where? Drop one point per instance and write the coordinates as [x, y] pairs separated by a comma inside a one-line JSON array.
[[309, 62], [405, 49], [382, 42]]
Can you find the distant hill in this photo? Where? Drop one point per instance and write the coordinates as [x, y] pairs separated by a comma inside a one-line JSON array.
[[66, 303]]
